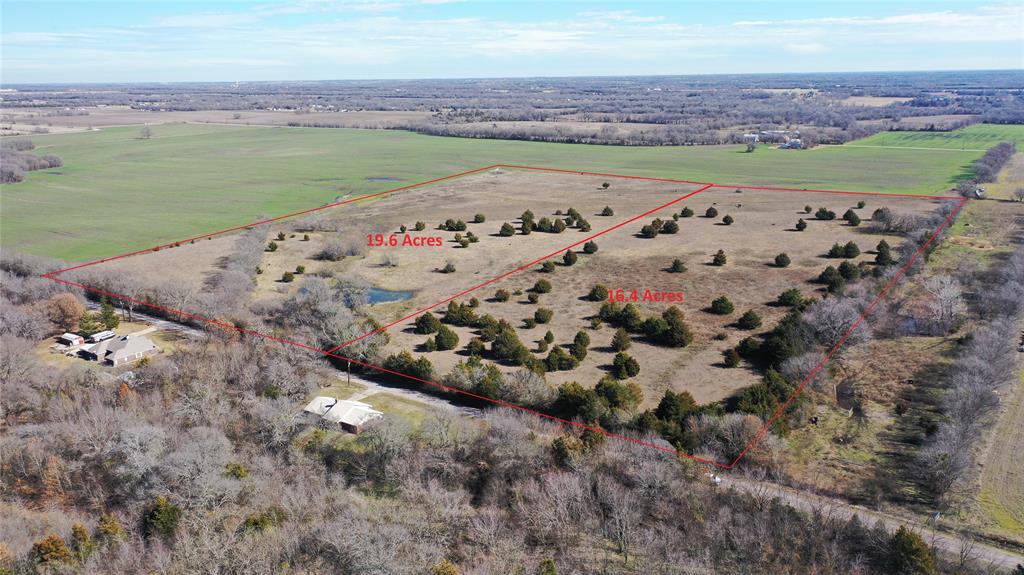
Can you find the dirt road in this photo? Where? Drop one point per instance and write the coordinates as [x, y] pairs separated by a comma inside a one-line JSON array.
[[981, 553]]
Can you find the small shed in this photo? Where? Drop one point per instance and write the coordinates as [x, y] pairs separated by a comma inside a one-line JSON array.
[[352, 416], [71, 339]]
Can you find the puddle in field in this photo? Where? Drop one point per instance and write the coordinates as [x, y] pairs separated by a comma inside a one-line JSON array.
[[377, 295], [383, 179]]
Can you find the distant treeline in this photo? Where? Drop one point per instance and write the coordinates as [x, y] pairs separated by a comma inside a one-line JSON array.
[[673, 110]]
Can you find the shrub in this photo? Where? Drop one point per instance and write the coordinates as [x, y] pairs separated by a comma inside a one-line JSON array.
[[543, 315], [607, 211], [711, 213], [686, 212], [473, 302], [420, 226], [670, 227], [836, 251], [590, 247], [782, 260], [526, 228], [549, 337], [305, 237], [559, 360], [624, 366], [448, 268], [677, 266], [161, 518], [852, 218], [427, 323], [808, 209], [464, 242], [851, 250], [790, 298], [731, 357], [722, 306], [287, 277], [51, 551], [507, 347], [719, 259], [403, 228], [533, 297], [727, 220], [619, 395], [479, 219], [547, 267], [749, 320], [579, 345], [542, 286], [801, 225], [501, 295], [272, 247], [446, 339], [430, 345], [861, 204], [825, 214], [883, 256], [598, 293], [280, 236], [849, 271], [506, 230], [832, 279], [621, 340], [569, 258], [300, 269], [583, 225], [475, 347], [909, 553], [648, 231], [672, 330]]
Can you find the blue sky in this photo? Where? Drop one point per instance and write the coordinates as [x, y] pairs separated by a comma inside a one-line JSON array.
[[145, 41]]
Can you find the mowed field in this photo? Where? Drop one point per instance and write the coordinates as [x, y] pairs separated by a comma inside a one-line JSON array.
[[976, 137], [117, 192]]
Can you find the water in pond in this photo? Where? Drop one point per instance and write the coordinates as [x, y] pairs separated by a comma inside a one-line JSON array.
[[377, 295]]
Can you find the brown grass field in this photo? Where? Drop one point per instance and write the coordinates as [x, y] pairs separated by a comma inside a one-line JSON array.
[[763, 228]]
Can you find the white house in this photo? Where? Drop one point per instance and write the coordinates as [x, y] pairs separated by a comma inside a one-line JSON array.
[[353, 416]]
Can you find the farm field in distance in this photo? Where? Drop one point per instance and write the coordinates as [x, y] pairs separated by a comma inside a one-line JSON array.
[[117, 192], [976, 137]]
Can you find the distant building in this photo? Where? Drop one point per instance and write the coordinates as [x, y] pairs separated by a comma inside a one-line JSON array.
[[751, 138], [120, 351], [71, 339], [353, 416], [793, 144]]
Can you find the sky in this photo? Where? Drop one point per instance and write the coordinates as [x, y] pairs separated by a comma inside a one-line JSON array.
[[44, 41]]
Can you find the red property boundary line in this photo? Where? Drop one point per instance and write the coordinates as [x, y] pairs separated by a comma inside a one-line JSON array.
[[705, 186]]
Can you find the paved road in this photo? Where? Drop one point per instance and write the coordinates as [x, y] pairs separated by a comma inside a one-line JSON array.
[[159, 323], [982, 553]]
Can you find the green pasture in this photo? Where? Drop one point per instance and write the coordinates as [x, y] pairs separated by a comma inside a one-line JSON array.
[[117, 192]]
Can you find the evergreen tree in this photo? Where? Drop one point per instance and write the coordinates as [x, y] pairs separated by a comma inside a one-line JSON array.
[[711, 213], [427, 323], [851, 250], [624, 366], [782, 260], [506, 230], [727, 220], [722, 306], [749, 320], [621, 340], [910, 554], [569, 258], [579, 345], [446, 339], [590, 247], [108, 317], [607, 211], [677, 266], [719, 259], [801, 225], [670, 227], [686, 213]]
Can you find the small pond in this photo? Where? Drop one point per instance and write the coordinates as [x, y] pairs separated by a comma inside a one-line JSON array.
[[377, 295]]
